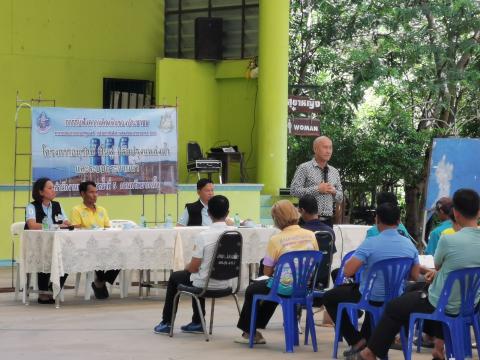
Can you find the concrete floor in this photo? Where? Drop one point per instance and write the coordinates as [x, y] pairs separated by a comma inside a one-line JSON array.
[[122, 329]]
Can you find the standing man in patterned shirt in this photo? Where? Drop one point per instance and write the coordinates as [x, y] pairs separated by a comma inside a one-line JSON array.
[[317, 178]]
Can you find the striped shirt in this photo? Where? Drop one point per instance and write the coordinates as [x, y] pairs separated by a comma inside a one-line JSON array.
[[306, 180]]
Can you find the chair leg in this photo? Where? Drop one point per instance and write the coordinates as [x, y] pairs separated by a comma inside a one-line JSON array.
[[148, 282], [411, 333], [17, 280], [338, 323], [310, 327], [253, 323], [140, 280], [176, 299], [77, 282], [289, 325], [26, 289], [211, 315], [202, 318], [476, 331], [449, 344], [89, 277], [419, 335], [236, 303], [467, 341]]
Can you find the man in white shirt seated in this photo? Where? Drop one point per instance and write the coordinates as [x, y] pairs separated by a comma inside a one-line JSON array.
[[196, 271], [196, 214]]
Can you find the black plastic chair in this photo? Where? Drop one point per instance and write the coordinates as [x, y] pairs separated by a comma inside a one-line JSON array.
[[226, 265], [326, 245]]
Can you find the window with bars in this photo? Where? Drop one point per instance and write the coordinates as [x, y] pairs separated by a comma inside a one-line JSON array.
[[240, 26]]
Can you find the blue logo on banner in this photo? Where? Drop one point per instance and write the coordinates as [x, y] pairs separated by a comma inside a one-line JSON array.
[[43, 123]]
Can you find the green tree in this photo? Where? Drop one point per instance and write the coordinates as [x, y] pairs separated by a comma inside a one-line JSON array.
[[416, 61]]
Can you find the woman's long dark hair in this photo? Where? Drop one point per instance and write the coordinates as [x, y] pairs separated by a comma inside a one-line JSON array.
[[38, 186]]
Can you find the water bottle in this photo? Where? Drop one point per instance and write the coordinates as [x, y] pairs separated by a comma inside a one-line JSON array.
[[45, 223], [169, 221], [236, 220], [142, 222]]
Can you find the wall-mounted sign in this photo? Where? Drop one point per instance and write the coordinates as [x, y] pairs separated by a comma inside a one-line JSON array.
[[302, 104], [303, 127]]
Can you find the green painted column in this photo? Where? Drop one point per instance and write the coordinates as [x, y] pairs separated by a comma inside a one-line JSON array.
[[272, 94]]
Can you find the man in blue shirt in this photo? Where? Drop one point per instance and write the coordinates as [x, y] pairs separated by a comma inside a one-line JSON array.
[[389, 244], [388, 197], [442, 209], [456, 251]]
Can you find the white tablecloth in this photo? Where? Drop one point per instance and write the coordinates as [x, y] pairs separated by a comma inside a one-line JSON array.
[[68, 252], [60, 252]]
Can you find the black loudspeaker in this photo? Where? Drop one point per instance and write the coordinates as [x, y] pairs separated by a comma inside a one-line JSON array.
[[208, 38]]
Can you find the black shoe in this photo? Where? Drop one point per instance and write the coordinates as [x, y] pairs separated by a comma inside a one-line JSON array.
[[100, 293], [47, 301], [352, 351]]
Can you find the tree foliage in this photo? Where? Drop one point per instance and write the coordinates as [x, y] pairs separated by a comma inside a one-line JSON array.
[[391, 74]]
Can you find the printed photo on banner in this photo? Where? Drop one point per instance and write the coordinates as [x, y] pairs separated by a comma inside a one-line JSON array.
[[125, 151]]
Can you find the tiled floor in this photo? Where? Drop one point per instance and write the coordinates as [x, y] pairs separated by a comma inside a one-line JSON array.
[[122, 329]]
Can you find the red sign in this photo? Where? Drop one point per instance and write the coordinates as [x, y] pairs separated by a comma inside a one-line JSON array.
[[303, 127], [302, 104]]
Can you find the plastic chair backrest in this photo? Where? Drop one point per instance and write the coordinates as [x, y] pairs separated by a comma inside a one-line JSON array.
[[227, 258], [395, 273], [467, 281], [194, 151], [302, 265], [325, 245], [17, 228]]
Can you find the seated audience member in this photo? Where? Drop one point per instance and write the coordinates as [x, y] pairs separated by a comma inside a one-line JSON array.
[[89, 215], [291, 238], [389, 244], [455, 225], [196, 271], [456, 251], [308, 208], [388, 197], [42, 207], [442, 209], [196, 214]]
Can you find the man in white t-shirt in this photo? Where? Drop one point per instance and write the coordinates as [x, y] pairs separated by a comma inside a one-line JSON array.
[[196, 271]]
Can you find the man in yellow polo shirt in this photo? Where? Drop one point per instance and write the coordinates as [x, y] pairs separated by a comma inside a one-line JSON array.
[[90, 216]]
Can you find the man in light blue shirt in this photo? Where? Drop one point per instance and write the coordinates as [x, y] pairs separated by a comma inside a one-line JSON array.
[[456, 251], [388, 197], [389, 244], [442, 208]]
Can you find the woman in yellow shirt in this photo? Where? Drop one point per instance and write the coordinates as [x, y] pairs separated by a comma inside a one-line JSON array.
[[291, 238]]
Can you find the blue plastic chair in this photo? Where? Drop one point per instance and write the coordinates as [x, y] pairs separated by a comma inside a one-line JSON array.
[[302, 265], [395, 272], [468, 282]]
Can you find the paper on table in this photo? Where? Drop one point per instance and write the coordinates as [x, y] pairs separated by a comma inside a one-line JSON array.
[[426, 261]]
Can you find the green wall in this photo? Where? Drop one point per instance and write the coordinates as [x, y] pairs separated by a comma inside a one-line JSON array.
[[64, 49], [215, 104]]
